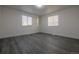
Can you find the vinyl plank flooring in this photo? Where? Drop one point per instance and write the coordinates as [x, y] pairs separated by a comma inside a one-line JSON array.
[[39, 43]]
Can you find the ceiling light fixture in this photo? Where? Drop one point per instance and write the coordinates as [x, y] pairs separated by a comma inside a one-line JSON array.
[[39, 6]]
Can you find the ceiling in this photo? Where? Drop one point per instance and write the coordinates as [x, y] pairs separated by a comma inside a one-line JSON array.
[[45, 9]]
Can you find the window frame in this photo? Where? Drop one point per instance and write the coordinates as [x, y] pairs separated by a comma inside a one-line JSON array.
[[26, 23], [53, 21]]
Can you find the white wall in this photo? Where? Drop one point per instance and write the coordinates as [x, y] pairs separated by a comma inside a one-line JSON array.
[[11, 23], [68, 23], [1, 26]]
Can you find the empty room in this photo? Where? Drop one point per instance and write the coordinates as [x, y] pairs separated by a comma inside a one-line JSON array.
[[39, 29]]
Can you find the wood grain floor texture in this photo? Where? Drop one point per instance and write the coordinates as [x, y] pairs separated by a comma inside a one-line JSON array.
[[39, 43]]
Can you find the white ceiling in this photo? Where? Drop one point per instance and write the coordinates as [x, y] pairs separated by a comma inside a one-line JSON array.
[[45, 9]]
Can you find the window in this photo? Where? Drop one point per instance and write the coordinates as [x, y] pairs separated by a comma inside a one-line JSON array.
[[29, 20], [53, 20], [26, 20]]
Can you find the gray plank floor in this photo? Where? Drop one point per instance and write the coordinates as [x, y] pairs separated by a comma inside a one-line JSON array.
[[39, 43]]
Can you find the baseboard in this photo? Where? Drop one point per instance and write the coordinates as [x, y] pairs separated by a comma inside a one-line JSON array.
[[66, 37], [17, 35], [40, 33], [60, 36]]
